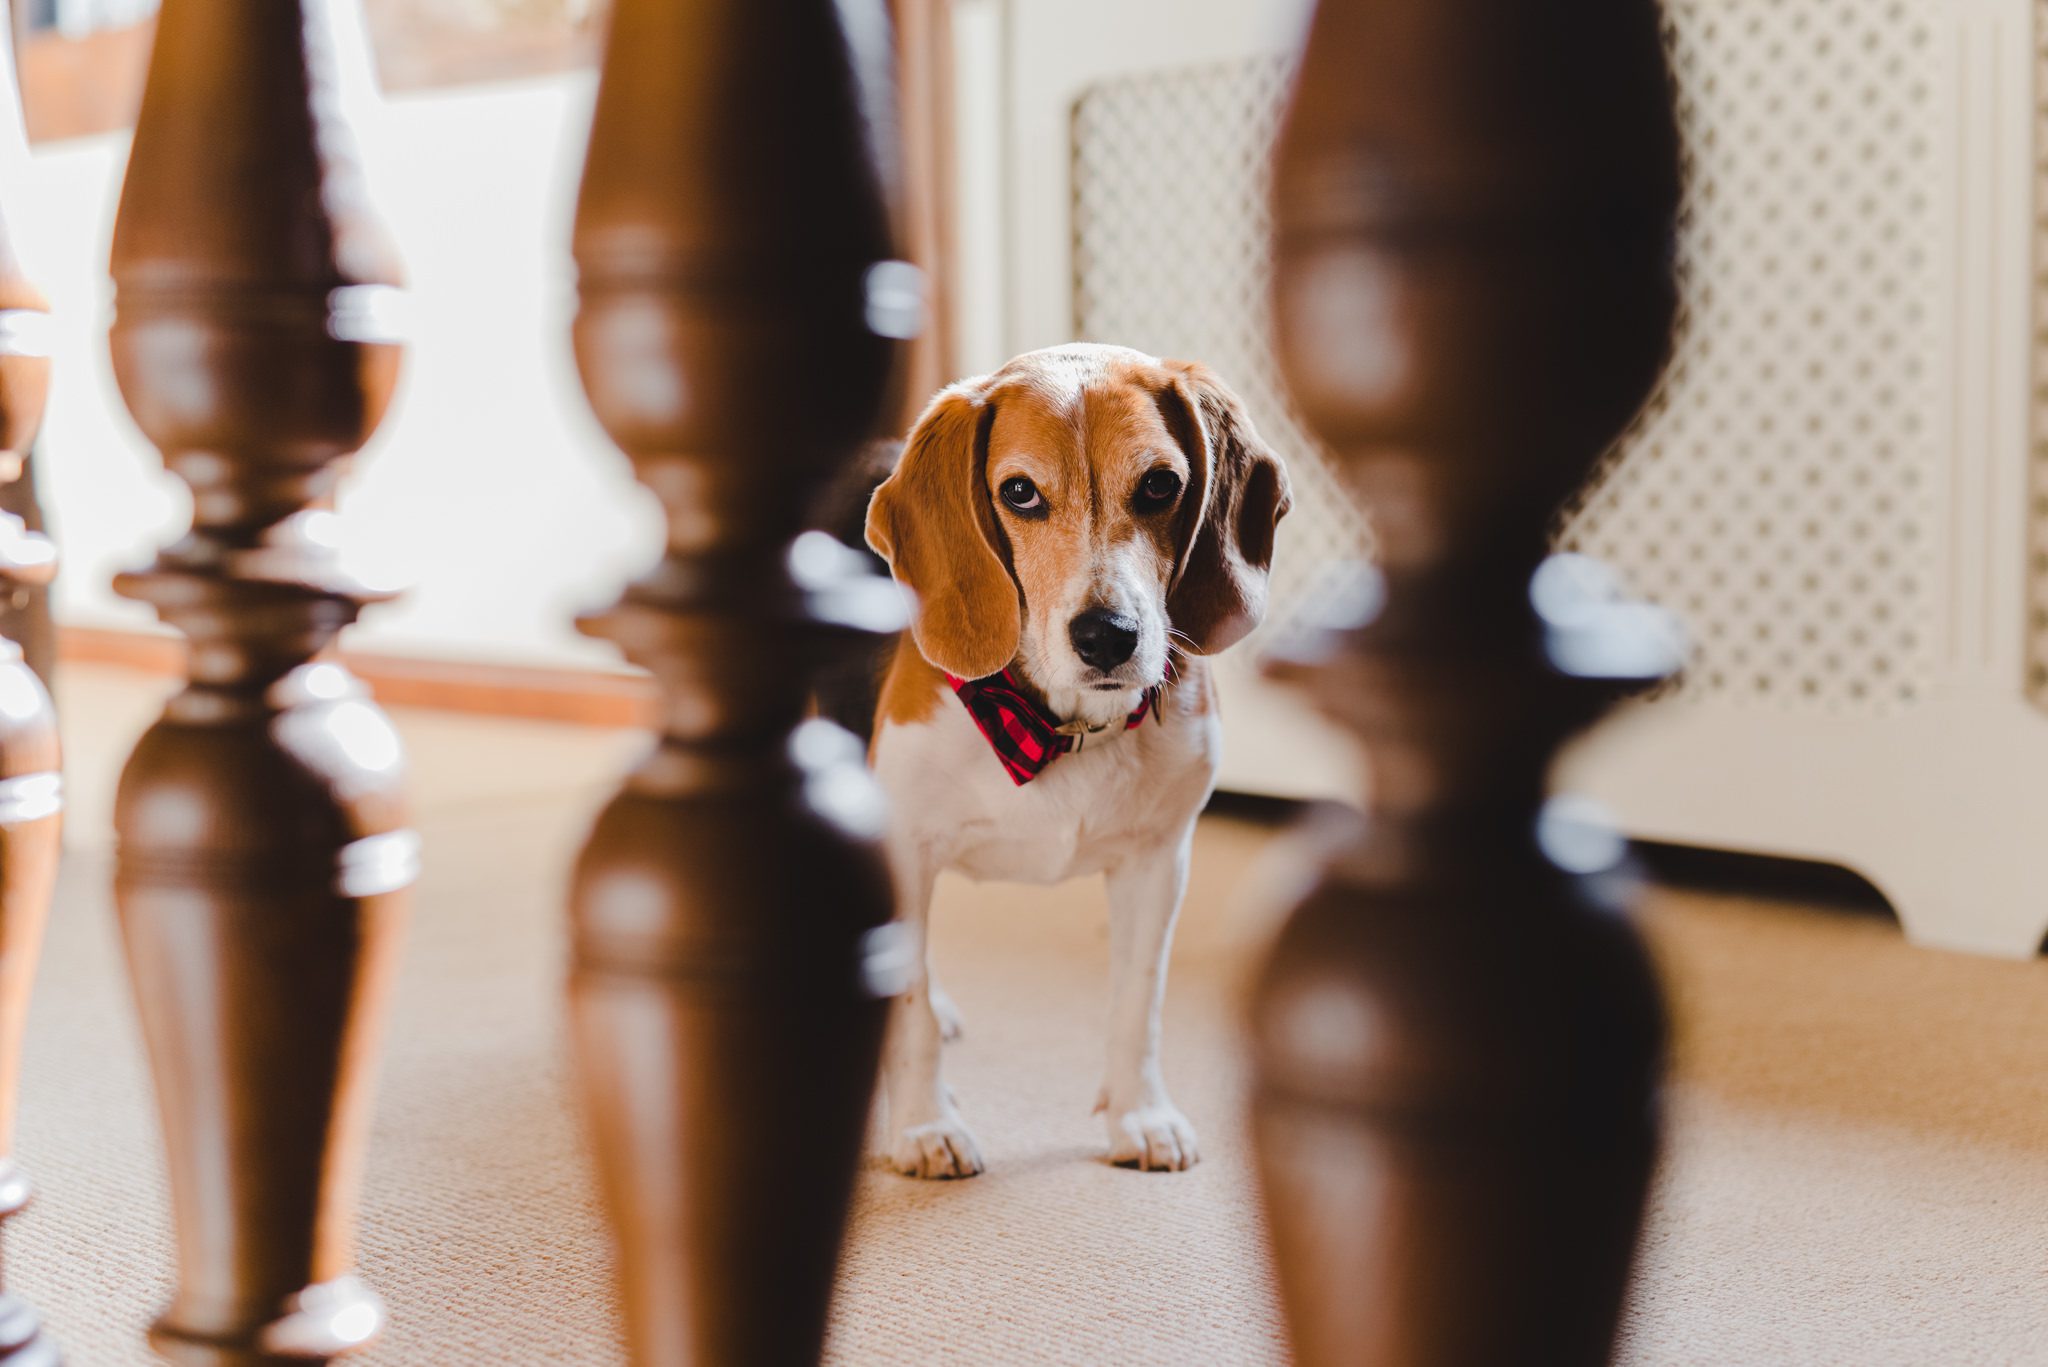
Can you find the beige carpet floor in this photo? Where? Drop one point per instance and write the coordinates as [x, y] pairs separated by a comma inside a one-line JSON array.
[[1857, 1174]]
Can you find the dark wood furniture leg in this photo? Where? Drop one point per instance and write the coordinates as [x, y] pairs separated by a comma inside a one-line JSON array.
[[31, 786], [264, 852], [733, 951], [25, 611], [1456, 1040]]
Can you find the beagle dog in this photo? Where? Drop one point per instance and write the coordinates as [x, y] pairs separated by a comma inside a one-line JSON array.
[[1079, 529]]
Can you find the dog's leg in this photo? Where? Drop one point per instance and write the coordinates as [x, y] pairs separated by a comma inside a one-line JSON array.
[[1146, 1130], [931, 1139], [951, 1023]]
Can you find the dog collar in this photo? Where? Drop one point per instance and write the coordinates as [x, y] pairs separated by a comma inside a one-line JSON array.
[[1018, 729]]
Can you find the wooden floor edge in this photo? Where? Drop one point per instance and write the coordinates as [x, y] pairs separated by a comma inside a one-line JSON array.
[[590, 697]]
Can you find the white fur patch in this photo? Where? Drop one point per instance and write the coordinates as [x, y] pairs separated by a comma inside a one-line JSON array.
[[1125, 806]]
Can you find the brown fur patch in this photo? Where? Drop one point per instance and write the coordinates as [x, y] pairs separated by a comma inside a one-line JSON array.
[[912, 689], [932, 522], [1086, 452], [1235, 502]]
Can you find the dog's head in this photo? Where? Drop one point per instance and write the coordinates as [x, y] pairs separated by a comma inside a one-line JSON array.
[[1081, 509]]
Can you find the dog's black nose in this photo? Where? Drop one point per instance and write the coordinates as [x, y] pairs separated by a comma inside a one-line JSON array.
[[1103, 639]]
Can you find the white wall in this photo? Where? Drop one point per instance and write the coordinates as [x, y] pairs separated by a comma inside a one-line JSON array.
[[489, 490], [981, 100]]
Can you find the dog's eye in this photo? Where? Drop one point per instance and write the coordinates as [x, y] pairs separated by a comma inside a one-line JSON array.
[[1021, 494], [1158, 489]]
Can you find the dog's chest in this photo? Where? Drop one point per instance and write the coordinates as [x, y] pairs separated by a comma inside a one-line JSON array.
[[1037, 838], [1042, 852], [1086, 812]]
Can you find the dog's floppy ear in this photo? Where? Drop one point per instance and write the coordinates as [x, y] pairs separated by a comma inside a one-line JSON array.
[[1237, 494], [932, 522]]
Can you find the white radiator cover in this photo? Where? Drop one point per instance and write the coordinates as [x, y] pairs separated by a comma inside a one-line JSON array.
[[1841, 484]]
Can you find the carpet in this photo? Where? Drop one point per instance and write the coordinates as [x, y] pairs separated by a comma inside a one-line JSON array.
[[1857, 1170]]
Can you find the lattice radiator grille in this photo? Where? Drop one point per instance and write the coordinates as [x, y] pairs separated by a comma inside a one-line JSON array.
[[1782, 491], [1779, 491]]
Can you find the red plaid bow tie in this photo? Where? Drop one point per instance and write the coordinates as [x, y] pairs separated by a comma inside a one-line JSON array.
[[1024, 738]]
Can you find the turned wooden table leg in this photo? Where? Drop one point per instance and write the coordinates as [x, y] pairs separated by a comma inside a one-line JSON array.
[[25, 613], [1456, 1041], [732, 944], [264, 853], [31, 787]]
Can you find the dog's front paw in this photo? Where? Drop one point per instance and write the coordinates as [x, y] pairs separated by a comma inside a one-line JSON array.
[[1153, 1138], [945, 1148]]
